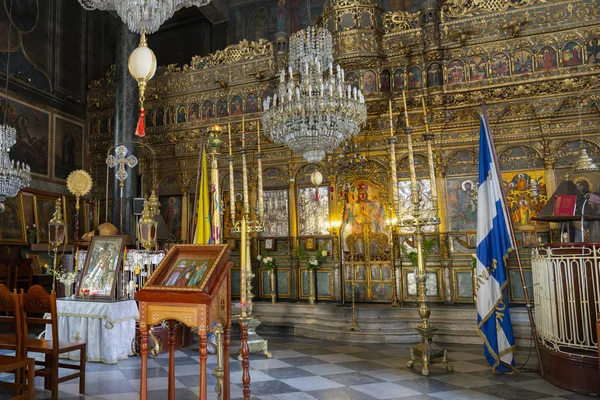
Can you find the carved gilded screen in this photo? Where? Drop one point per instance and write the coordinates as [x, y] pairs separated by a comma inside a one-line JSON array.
[[313, 211], [404, 197], [276, 222]]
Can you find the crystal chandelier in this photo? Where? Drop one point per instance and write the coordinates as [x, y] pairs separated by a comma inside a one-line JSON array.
[[140, 15], [317, 113], [13, 176]]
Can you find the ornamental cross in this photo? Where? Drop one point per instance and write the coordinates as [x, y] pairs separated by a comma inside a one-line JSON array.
[[120, 160]]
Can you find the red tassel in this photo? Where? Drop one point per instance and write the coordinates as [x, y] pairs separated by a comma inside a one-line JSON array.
[[317, 194], [141, 128]]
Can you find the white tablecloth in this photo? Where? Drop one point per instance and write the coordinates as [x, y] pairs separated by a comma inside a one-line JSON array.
[[108, 328]]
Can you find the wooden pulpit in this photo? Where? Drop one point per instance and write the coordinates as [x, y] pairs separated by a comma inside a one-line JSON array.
[[192, 285]]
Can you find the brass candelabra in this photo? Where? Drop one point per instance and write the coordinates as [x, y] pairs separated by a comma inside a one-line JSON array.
[[427, 352]]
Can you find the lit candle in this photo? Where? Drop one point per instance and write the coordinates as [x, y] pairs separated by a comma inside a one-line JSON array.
[[405, 108]]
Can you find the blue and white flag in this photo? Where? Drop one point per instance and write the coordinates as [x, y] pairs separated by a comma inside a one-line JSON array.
[[493, 244]]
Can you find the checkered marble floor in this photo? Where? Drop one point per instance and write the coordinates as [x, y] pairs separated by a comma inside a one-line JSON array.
[[308, 369]]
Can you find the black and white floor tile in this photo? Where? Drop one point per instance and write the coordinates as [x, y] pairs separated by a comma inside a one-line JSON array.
[[309, 369]]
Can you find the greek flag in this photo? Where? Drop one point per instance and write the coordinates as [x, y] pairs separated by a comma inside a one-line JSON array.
[[493, 244]]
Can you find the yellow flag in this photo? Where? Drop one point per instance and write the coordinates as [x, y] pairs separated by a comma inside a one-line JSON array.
[[203, 222]]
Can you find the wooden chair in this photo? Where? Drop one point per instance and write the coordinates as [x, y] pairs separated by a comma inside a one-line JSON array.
[[9, 304], [6, 275], [37, 301], [9, 319], [23, 275]]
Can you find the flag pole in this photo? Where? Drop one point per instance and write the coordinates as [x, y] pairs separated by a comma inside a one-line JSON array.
[[192, 237], [512, 235]]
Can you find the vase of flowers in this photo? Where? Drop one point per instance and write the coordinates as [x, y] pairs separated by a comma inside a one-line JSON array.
[[269, 265], [66, 278], [31, 234], [314, 263]]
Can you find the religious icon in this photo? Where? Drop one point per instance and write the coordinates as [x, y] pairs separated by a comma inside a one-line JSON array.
[[456, 72], [207, 110], [572, 54], [462, 206], [363, 211], [477, 69], [500, 65], [525, 197], [170, 113], [222, 108], [236, 106], [398, 80], [353, 80], [251, 103], [171, 210], [12, 228], [181, 114], [269, 244], [194, 112], [385, 81], [369, 82], [415, 78], [102, 264], [593, 51], [434, 75], [276, 217], [547, 59], [309, 243], [523, 62], [159, 117]]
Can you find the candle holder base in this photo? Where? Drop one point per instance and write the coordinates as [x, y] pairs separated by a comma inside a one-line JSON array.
[[256, 343], [427, 352]]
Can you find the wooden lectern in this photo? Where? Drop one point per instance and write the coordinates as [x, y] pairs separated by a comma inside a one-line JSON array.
[[192, 285]]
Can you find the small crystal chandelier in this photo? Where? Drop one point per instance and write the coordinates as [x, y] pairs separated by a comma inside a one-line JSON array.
[[316, 114], [13, 176], [141, 15]]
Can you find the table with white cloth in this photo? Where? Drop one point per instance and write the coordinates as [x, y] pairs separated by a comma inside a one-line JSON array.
[[108, 328]]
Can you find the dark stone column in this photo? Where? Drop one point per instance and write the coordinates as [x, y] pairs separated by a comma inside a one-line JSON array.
[[125, 120]]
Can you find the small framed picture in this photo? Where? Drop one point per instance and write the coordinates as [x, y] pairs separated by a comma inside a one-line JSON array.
[[309, 243], [269, 244]]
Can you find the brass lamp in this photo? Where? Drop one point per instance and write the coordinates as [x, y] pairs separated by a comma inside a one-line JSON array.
[[147, 228], [142, 66], [56, 235]]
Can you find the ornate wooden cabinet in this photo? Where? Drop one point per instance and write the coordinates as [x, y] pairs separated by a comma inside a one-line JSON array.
[[191, 285]]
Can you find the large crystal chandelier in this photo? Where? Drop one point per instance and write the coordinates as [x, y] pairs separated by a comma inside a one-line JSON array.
[[13, 176], [140, 15], [315, 114]]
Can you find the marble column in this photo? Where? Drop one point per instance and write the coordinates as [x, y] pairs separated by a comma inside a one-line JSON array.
[[125, 120]]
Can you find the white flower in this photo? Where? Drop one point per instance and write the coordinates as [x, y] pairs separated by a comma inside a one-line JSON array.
[[324, 253], [259, 257], [269, 259]]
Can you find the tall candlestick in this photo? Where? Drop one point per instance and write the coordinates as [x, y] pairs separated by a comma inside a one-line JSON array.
[[245, 179], [393, 172], [391, 119], [405, 108], [231, 180], [229, 135], [243, 132], [428, 141], [243, 268], [261, 207]]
